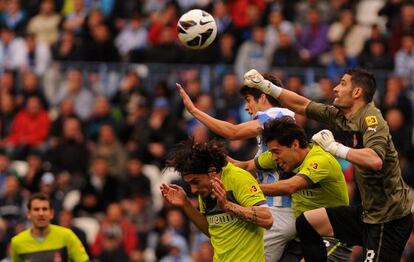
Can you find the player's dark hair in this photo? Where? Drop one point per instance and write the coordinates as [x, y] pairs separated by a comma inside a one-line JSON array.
[[38, 196], [256, 93], [190, 157], [284, 130], [364, 79]]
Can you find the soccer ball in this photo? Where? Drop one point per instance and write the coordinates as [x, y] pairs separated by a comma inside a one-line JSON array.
[[196, 29]]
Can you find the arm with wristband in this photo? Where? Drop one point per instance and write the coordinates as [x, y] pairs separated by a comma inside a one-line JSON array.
[[364, 156]]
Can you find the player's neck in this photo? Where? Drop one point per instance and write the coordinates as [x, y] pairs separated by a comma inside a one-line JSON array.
[[40, 232], [349, 112]]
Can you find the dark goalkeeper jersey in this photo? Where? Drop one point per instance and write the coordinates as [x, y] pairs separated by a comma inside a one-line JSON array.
[[384, 194]]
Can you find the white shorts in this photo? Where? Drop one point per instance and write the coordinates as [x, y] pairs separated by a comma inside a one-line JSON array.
[[282, 231]]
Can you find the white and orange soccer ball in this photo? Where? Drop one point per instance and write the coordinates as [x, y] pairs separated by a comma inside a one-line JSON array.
[[196, 29]]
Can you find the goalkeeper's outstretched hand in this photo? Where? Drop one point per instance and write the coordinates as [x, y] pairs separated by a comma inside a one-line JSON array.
[[254, 79], [326, 140]]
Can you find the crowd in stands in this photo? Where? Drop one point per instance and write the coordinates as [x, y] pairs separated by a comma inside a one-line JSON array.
[[96, 143]]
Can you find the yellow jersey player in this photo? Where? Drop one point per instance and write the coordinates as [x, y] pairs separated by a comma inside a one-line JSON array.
[[45, 242], [232, 208]]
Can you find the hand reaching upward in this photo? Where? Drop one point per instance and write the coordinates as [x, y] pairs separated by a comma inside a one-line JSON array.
[[174, 195], [189, 105]]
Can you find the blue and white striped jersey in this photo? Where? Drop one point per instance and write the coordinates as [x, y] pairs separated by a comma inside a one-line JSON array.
[[266, 177]]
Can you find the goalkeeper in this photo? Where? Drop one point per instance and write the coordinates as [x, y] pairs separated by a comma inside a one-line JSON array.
[[383, 223]]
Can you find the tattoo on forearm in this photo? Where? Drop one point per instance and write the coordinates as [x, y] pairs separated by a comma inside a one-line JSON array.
[[247, 216]]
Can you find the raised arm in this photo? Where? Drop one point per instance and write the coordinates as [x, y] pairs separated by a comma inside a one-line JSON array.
[[287, 98], [225, 129], [258, 215], [285, 187], [176, 196], [365, 157]]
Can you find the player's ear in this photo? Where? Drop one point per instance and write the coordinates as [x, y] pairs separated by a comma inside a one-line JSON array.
[[357, 92], [295, 144], [263, 98]]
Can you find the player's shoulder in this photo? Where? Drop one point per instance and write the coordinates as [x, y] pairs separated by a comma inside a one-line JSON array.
[[318, 156], [232, 174], [370, 116], [277, 112], [61, 231], [22, 237]]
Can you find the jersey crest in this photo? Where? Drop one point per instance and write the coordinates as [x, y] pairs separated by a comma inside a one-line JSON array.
[[371, 120]]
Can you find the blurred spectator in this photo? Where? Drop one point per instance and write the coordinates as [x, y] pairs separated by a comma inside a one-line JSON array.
[[67, 48], [7, 82], [376, 57], [339, 62], [109, 147], [177, 250], [5, 170], [45, 25], [36, 55], [177, 223], [286, 53], [404, 58], [94, 18], [130, 92], [116, 238], [88, 205], [66, 111], [401, 133], [163, 23], [205, 253], [30, 128], [47, 186], [241, 11], [101, 115], [136, 182], [102, 182], [403, 25], [347, 31], [253, 53], [312, 38], [11, 55], [133, 36], [395, 96], [222, 17], [66, 220], [73, 88], [12, 203], [140, 211], [226, 49], [161, 134], [35, 170], [14, 17], [100, 48], [74, 21], [295, 83], [7, 113], [165, 50], [277, 25], [71, 153], [399, 130], [303, 7], [391, 10], [30, 86], [228, 101]]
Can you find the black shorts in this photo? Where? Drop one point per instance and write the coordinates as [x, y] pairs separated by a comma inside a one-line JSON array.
[[381, 242], [336, 251]]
